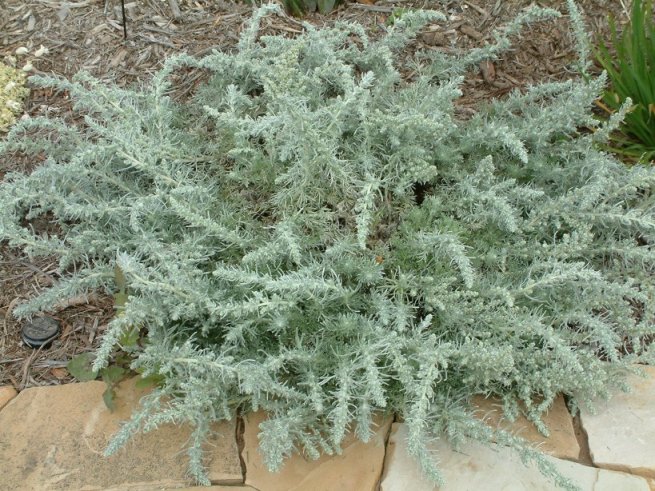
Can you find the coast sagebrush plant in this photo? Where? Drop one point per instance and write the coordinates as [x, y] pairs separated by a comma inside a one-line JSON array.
[[313, 235]]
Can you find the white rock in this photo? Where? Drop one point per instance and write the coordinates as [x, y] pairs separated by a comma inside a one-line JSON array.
[[622, 433], [479, 467], [562, 442], [41, 51]]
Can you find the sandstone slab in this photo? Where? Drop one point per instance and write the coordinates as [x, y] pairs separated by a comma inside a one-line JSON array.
[[561, 443], [147, 487], [52, 438], [7, 393], [217, 488], [359, 467], [622, 433], [478, 467]]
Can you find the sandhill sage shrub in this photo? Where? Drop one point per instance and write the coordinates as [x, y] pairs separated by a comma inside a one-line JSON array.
[[314, 234]]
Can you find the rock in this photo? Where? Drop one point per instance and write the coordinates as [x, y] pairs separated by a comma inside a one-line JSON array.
[[7, 393], [52, 438], [478, 466], [358, 468], [622, 433], [147, 487], [218, 488], [434, 38], [562, 442]]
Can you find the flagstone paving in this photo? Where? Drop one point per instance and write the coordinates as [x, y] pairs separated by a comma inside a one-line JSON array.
[[622, 433], [358, 468], [6, 394], [172, 487], [52, 438], [218, 488], [478, 467], [561, 442]]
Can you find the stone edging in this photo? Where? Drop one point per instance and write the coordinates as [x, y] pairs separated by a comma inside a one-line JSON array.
[[53, 437]]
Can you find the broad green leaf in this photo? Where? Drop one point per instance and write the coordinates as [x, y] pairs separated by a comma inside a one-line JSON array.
[[80, 367], [123, 359], [150, 381], [109, 396], [113, 374]]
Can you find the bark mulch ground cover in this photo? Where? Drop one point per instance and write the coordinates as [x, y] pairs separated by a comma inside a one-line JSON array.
[[88, 35]]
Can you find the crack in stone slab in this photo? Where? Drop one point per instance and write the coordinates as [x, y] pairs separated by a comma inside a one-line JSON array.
[[384, 456], [240, 428]]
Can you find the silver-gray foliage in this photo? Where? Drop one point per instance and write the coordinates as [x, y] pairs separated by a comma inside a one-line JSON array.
[[317, 235]]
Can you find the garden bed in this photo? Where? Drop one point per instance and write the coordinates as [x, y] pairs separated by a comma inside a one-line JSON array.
[[313, 224], [85, 35]]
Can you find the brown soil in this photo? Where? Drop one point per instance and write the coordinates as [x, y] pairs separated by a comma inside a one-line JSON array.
[[88, 35]]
